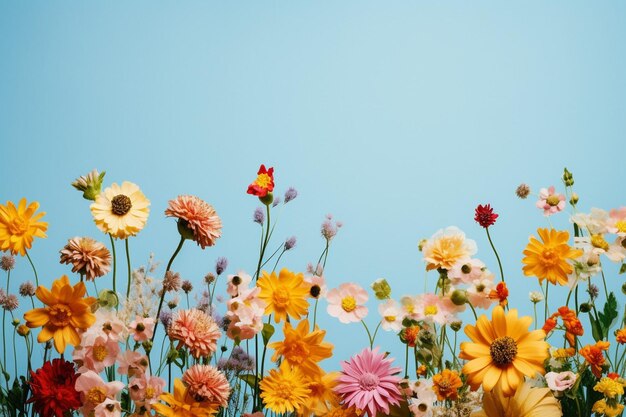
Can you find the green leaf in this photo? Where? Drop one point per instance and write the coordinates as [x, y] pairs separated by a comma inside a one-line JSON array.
[[622, 269], [248, 379], [596, 328], [267, 333], [608, 315]]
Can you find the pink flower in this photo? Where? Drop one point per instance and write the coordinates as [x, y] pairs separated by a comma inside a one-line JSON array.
[[196, 330], [431, 308], [97, 355], [617, 221], [131, 363], [550, 202], [347, 303], [94, 392], [392, 315], [207, 383], [466, 272], [245, 314], [237, 283], [145, 390], [320, 282], [478, 292], [142, 328], [368, 382], [108, 408], [560, 381], [196, 218]]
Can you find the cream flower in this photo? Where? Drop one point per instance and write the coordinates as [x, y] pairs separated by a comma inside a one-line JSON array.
[[121, 211]]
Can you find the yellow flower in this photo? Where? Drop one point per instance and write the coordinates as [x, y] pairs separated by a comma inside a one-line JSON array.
[[447, 247], [284, 390], [182, 404], [121, 211], [548, 259], [19, 225], [611, 388], [285, 295], [66, 312], [446, 385], [502, 351], [607, 408], [322, 398], [303, 349], [527, 402]]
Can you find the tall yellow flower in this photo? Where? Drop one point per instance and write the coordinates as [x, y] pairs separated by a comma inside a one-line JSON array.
[[19, 226], [66, 312], [322, 398], [121, 211], [502, 351], [303, 349], [182, 404], [285, 294], [548, 259], [527, 402], [284, 390]]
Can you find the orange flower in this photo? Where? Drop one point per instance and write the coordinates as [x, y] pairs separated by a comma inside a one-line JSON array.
[[285, 294], [264, 182], [19, 226], [573, 326], [409, 334], [548, 259], [446, 385], [594, 356], [66, 312], [620, 336], [501, 293], [549, 325]]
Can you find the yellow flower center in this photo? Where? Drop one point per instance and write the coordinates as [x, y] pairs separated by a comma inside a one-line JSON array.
[[553, 200], [298, 352], [281, 298], [100, 352], [599, 242], [18, 226], [503, 351], [549, 257], [431, 310], [60, 315], [283, 390], [621, 226], [96, 395], [149, 393], [390, 318], [409, 308], [121, 204], [348, 303], [263, 180]]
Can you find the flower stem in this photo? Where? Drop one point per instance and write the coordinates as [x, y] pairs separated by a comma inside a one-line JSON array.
[[128, 264], [114, 263], [369, 336], [406, 362], [545, 318], [496, 252], [34, 269]]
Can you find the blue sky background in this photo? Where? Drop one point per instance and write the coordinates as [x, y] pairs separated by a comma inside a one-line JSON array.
[[398, 118]]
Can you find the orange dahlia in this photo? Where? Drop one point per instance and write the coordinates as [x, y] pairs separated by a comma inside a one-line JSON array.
[[285, 294], [66, 312], [594, 355], [446, 385], [548, 259], [196, 330], [197, 217], [19, 226]]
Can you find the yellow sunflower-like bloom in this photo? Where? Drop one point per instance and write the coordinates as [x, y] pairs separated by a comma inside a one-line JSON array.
[[284, 390], [66, 312], [527, 402], [303, 349], [182, 404], [121, 211], [548, 259], [19, 226], [607, 408], [323, 398], [285, 294], [502, 351]]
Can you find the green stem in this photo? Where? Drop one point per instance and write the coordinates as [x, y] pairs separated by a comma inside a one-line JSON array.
[[545, 315], [34, 269], [315, 312], [128, 264], [406, 362], [473, 311], [496, 252], [114, 263], [369, 336], [278, 260]]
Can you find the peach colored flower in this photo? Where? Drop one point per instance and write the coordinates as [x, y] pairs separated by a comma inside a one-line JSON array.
[[145, 390], [142, 328], [196, 330], [560, 381], [206, 383], [94, 391], [617, 221], [347, 303], [197, 217], [87, 256], [96, 354], [550, 202], [446, 248], [131, 363]]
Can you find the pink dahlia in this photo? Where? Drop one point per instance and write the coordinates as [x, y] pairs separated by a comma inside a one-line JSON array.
[[550, 202], [368, 382], [347, 303], [206, 383], [197, 219], [196, 330]]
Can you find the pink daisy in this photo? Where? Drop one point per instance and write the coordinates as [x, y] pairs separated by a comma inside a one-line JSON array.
[[431, 308], [94, 391], [206, 383], [617, 221], [145, 390], [347, 303], [196, 217], [96, 355], [131, 363], [368, 382], [141, 328], [196, 330], [550, 202]]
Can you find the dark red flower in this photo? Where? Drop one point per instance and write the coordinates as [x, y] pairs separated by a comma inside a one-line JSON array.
[[264, 182], [53, 392], [485, 215]]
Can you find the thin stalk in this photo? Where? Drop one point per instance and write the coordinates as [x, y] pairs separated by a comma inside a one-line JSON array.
[[315, 312], [278, 260], [406, 362], [128, 265], [545, 314], [369, 336], [114, 263], [34, 269], [496, 252]]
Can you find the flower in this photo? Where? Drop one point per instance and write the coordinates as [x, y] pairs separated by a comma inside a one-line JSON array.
[[526, 402], [594, 356], [94, 391], [121, 211], [607, 408], [142, 328], [284, 295], [53, 392], [90, 184], [522, 191], [196, 330], [561, 381], [66, 312], [368, 382], [290, 194], [131, 363], [329, 229], [181, 404], [220, 265], [301, 348], [617, 221], [610, 388], [550, 202], [87, 256], [392, 315], [20, 225], [347, 303], [237, 283], [502, 351], [573, 326], [431, 308], [535, 296], [197, 219], [548, 259], [322, 397], [264, 182], [500, 293], [447, 247], [485, 216], [284, 390], [7, 262], [290, 243], [97, 353], [446, 385], [145, 390], [206, 383], [620, 336]]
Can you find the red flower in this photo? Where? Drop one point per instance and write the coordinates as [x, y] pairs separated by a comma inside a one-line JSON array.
[[485, 215], [264, 182], [501, 293], [53, 392]]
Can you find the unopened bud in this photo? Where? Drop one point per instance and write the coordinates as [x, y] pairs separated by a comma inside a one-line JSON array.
[[381, 288], [456, 325], [585, 308], [573, 199], [459, 297]]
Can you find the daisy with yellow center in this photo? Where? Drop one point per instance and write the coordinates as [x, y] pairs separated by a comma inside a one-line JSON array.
[[66, 312], [121, 211], [285, 295], [527, 402], [182, 404], [19, 226], [502, 351], [284, 390], [547, 259]]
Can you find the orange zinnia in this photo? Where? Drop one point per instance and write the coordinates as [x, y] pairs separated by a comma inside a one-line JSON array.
[[620, 336], [66, 312], [19, 226], [548, 259], [594, 356], [446, 385], [285, 295]]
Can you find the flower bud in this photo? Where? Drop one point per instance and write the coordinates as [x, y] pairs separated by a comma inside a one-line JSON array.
[[568, 178], [624, 288], [585, 308], [421, 244], [573, 199], [90, 184], [267, 200], [23, 330], [108, 299], [184, 230], [459, 297], [381, 288], [15, 322], [456, 325]]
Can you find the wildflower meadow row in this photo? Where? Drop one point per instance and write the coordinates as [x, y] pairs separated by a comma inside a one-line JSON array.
[[132, 348]]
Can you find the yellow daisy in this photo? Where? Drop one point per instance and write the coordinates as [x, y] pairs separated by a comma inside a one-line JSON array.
[[284, 390], [322, 398], [182, 404], [19, 226], [527, 402], [285, 294], [548, 259], [121, 211]]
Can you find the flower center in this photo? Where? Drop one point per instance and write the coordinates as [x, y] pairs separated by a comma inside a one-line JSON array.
[[390, 318], [369, 381], [466, 269], [298, 352], [599, 242], [121, 204], [60, 315], [621, 226], [549, 257], [553, 200], [149, 393], [96, 395], [348, 303], [480, 287], [18, 226], [281, 298], [503, 350], [283, 390], [263, 180], [430, 310], [100, 352]]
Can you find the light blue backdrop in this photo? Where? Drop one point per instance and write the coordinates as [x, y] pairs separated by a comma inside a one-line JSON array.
[[397, 117]]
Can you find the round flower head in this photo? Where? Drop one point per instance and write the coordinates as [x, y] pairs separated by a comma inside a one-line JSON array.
[[347, 303], [87, 256], [197, 219], [53, 392], [527, 402], [264, 182], [368, 382], [550, 202], [121, 211], [548, 259], [284, 390], [284, 295], [206, 383], [196, 330], [19, 226], [182, 404], [7, 262], [392, 315], [485, 216], [447, 247]]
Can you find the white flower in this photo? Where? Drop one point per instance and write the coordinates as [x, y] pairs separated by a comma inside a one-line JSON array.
[[392, 315], [594, 222], [535, 296], [478, 292]]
